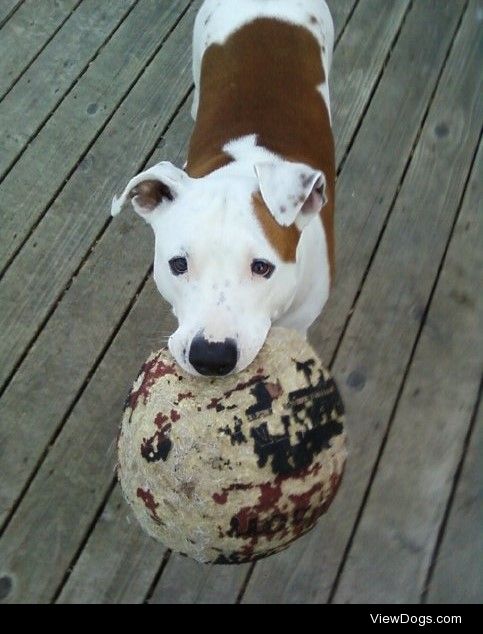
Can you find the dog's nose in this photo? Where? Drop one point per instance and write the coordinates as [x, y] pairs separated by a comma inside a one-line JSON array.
[[213, 358]]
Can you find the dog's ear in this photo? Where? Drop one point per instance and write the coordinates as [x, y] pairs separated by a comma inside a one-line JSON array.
[[152, 190], [293, 192]]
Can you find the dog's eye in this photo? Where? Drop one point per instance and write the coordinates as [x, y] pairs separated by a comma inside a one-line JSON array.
[[178, 266], [263, 268]]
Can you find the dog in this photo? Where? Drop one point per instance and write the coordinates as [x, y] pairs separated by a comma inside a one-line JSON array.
[[244, 235]]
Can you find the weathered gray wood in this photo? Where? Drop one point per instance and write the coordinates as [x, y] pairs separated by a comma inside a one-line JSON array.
[[119, 562], [373, 27], [120, 268], [45, 82], [373, 355], [394, 542], [45, 532], [340, 11], [7, 8], [186, 581], [114, 545], [43, 268], [458, 574], [26, 32], [54, 152]]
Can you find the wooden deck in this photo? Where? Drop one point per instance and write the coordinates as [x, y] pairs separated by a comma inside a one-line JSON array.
[[89, 93]]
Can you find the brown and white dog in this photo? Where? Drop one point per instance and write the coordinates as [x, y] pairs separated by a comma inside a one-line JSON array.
[[244, 235]]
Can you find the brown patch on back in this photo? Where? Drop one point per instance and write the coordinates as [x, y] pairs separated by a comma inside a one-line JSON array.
[[283, 239], [263, 80]]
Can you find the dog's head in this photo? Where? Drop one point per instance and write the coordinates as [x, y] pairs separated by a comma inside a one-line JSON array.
[[225, 254]]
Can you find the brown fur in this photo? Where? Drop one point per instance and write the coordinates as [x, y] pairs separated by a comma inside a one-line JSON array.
[[263, 80], [283, 239]]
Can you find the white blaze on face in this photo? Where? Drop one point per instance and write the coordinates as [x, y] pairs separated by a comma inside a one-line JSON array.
[[219, 297], [210, 223]]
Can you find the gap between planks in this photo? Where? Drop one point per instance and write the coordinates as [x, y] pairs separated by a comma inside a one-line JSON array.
[[457, 478], [8, 88], [102, 352], [67, 285], [10, 166], [8, 12], [402, 384]]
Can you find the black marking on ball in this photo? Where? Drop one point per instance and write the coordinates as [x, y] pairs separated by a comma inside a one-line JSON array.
[[315, 411], [264, 399], [256, 526], [306, 368], [156, 448], [237, 437]]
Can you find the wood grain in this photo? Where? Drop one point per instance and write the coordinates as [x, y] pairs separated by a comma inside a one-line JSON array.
[[43, 168], [26, 33], [40, 89], [391, 552], [458, 574], [44, 267]]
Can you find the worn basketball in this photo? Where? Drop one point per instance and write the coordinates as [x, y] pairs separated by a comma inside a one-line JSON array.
[[228, 470]]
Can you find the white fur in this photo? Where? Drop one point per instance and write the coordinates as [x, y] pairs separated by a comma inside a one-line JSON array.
[[210, 220]]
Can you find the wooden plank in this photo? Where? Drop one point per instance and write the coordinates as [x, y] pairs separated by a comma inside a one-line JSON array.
[[115, 546], [373, 355], [26, 33], [42, 269], [458, 574], [7, 8], [43, 537], [33, 97], [51, 156], [391, 552], [187, 581], [340, 11], [119, 563], [373, 27], [119, 269]]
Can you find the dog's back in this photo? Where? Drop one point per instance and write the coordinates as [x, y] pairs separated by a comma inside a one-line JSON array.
[[261, 68]]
